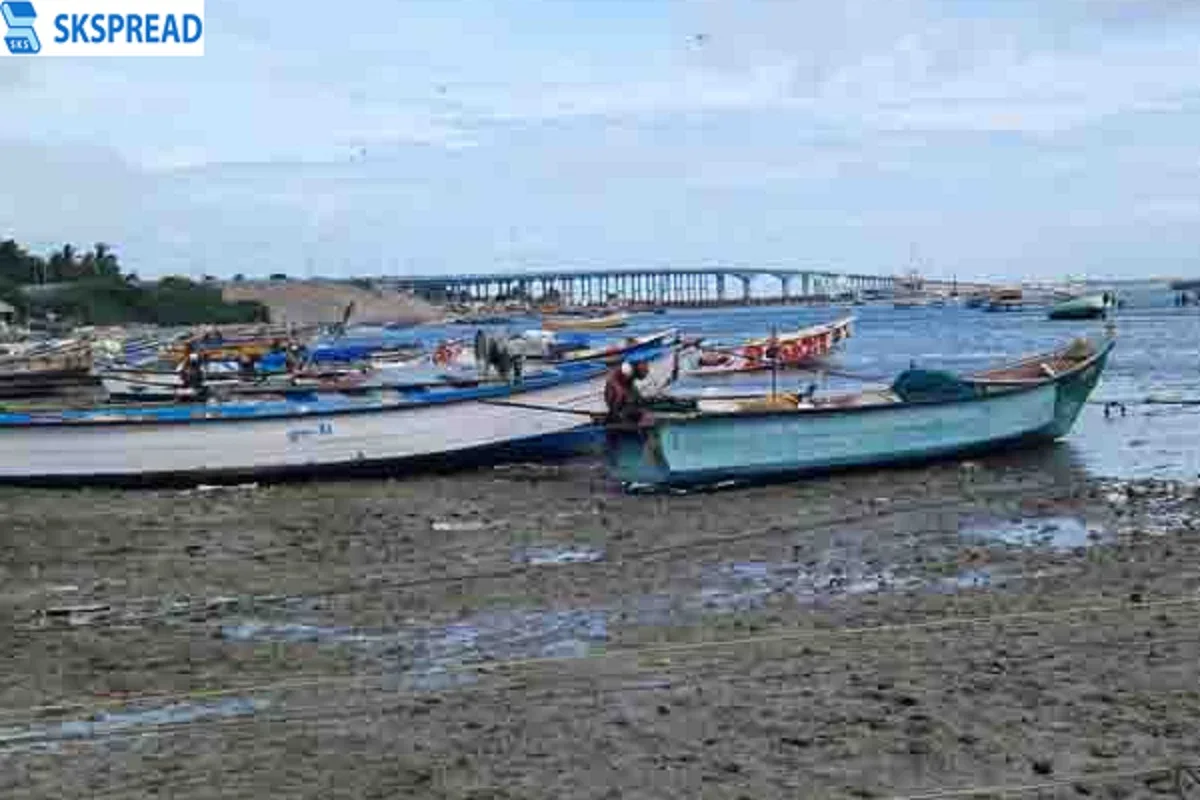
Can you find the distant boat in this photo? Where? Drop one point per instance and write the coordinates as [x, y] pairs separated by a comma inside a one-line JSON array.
[[1090, 306], [911, 301], [923, 415], [573, 323], [484, 319], [977, 300], [1010, 299]]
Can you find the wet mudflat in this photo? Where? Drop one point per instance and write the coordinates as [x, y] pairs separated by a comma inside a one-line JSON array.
[[531, 632]]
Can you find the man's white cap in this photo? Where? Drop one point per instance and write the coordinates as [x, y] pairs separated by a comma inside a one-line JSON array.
[[626, 369]]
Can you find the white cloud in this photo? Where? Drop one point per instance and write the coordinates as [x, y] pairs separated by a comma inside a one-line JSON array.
[[440, 135]]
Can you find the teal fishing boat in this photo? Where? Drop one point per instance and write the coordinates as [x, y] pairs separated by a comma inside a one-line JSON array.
[[1089, 306], [923, 415]]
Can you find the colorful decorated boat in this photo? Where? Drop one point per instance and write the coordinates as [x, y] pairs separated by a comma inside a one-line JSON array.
[[923, 415], [797, 350]]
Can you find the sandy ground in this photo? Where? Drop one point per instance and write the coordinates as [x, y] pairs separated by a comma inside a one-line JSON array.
[[530, 632]]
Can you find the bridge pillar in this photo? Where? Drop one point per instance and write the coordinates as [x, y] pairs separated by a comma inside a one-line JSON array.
[[784, 286]]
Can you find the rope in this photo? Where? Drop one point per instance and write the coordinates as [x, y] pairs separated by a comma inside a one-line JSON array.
[[593, 416]]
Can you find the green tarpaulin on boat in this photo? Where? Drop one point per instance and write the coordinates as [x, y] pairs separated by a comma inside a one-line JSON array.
[[931, 385]]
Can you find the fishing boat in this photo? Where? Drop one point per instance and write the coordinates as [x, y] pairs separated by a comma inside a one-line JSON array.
[[795, 350], [1089, 306], [40, 370], [924, 414], [218, 442], [911, 301], [452, 363], [977, 300], [1008, 299], [568, 322]]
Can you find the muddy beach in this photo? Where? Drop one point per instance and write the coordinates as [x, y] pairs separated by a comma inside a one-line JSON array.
[[529, 631]]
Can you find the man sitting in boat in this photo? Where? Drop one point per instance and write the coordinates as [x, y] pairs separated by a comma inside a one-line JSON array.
[[623, 396], [193, 376]]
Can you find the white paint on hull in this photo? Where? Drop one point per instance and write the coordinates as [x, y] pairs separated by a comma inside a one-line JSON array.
[[128, 450]]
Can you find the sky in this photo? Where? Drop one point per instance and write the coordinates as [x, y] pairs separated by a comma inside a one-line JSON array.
[[971, 138]]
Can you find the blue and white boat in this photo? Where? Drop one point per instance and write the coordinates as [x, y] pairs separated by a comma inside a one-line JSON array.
[[923, 415], [320, 433]]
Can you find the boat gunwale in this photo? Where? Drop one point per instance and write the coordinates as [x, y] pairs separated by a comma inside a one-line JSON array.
[[198, 413], [203, 414], [804, 333], [1011, 388]]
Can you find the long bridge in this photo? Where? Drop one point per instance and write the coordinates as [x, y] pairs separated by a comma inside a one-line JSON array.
[[698, 286]]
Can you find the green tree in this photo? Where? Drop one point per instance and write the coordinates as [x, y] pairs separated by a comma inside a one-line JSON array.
[[96, 291]]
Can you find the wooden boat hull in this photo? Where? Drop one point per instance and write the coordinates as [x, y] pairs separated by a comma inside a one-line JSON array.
[[46, 371], [45, 383], [770, 444]]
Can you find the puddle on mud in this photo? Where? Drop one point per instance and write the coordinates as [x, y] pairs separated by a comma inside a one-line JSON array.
[[1059, 533], [458, 525], [427, 657], [550, 556], [746, 585], [49, 735]]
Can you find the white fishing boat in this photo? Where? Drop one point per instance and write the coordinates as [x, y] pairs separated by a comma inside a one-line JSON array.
[[332, 433]]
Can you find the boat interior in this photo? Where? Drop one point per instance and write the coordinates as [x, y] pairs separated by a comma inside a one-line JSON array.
[[1038, 368], [1031, 370]]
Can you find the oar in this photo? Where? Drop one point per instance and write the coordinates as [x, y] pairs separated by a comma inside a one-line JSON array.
[[594, 416]]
